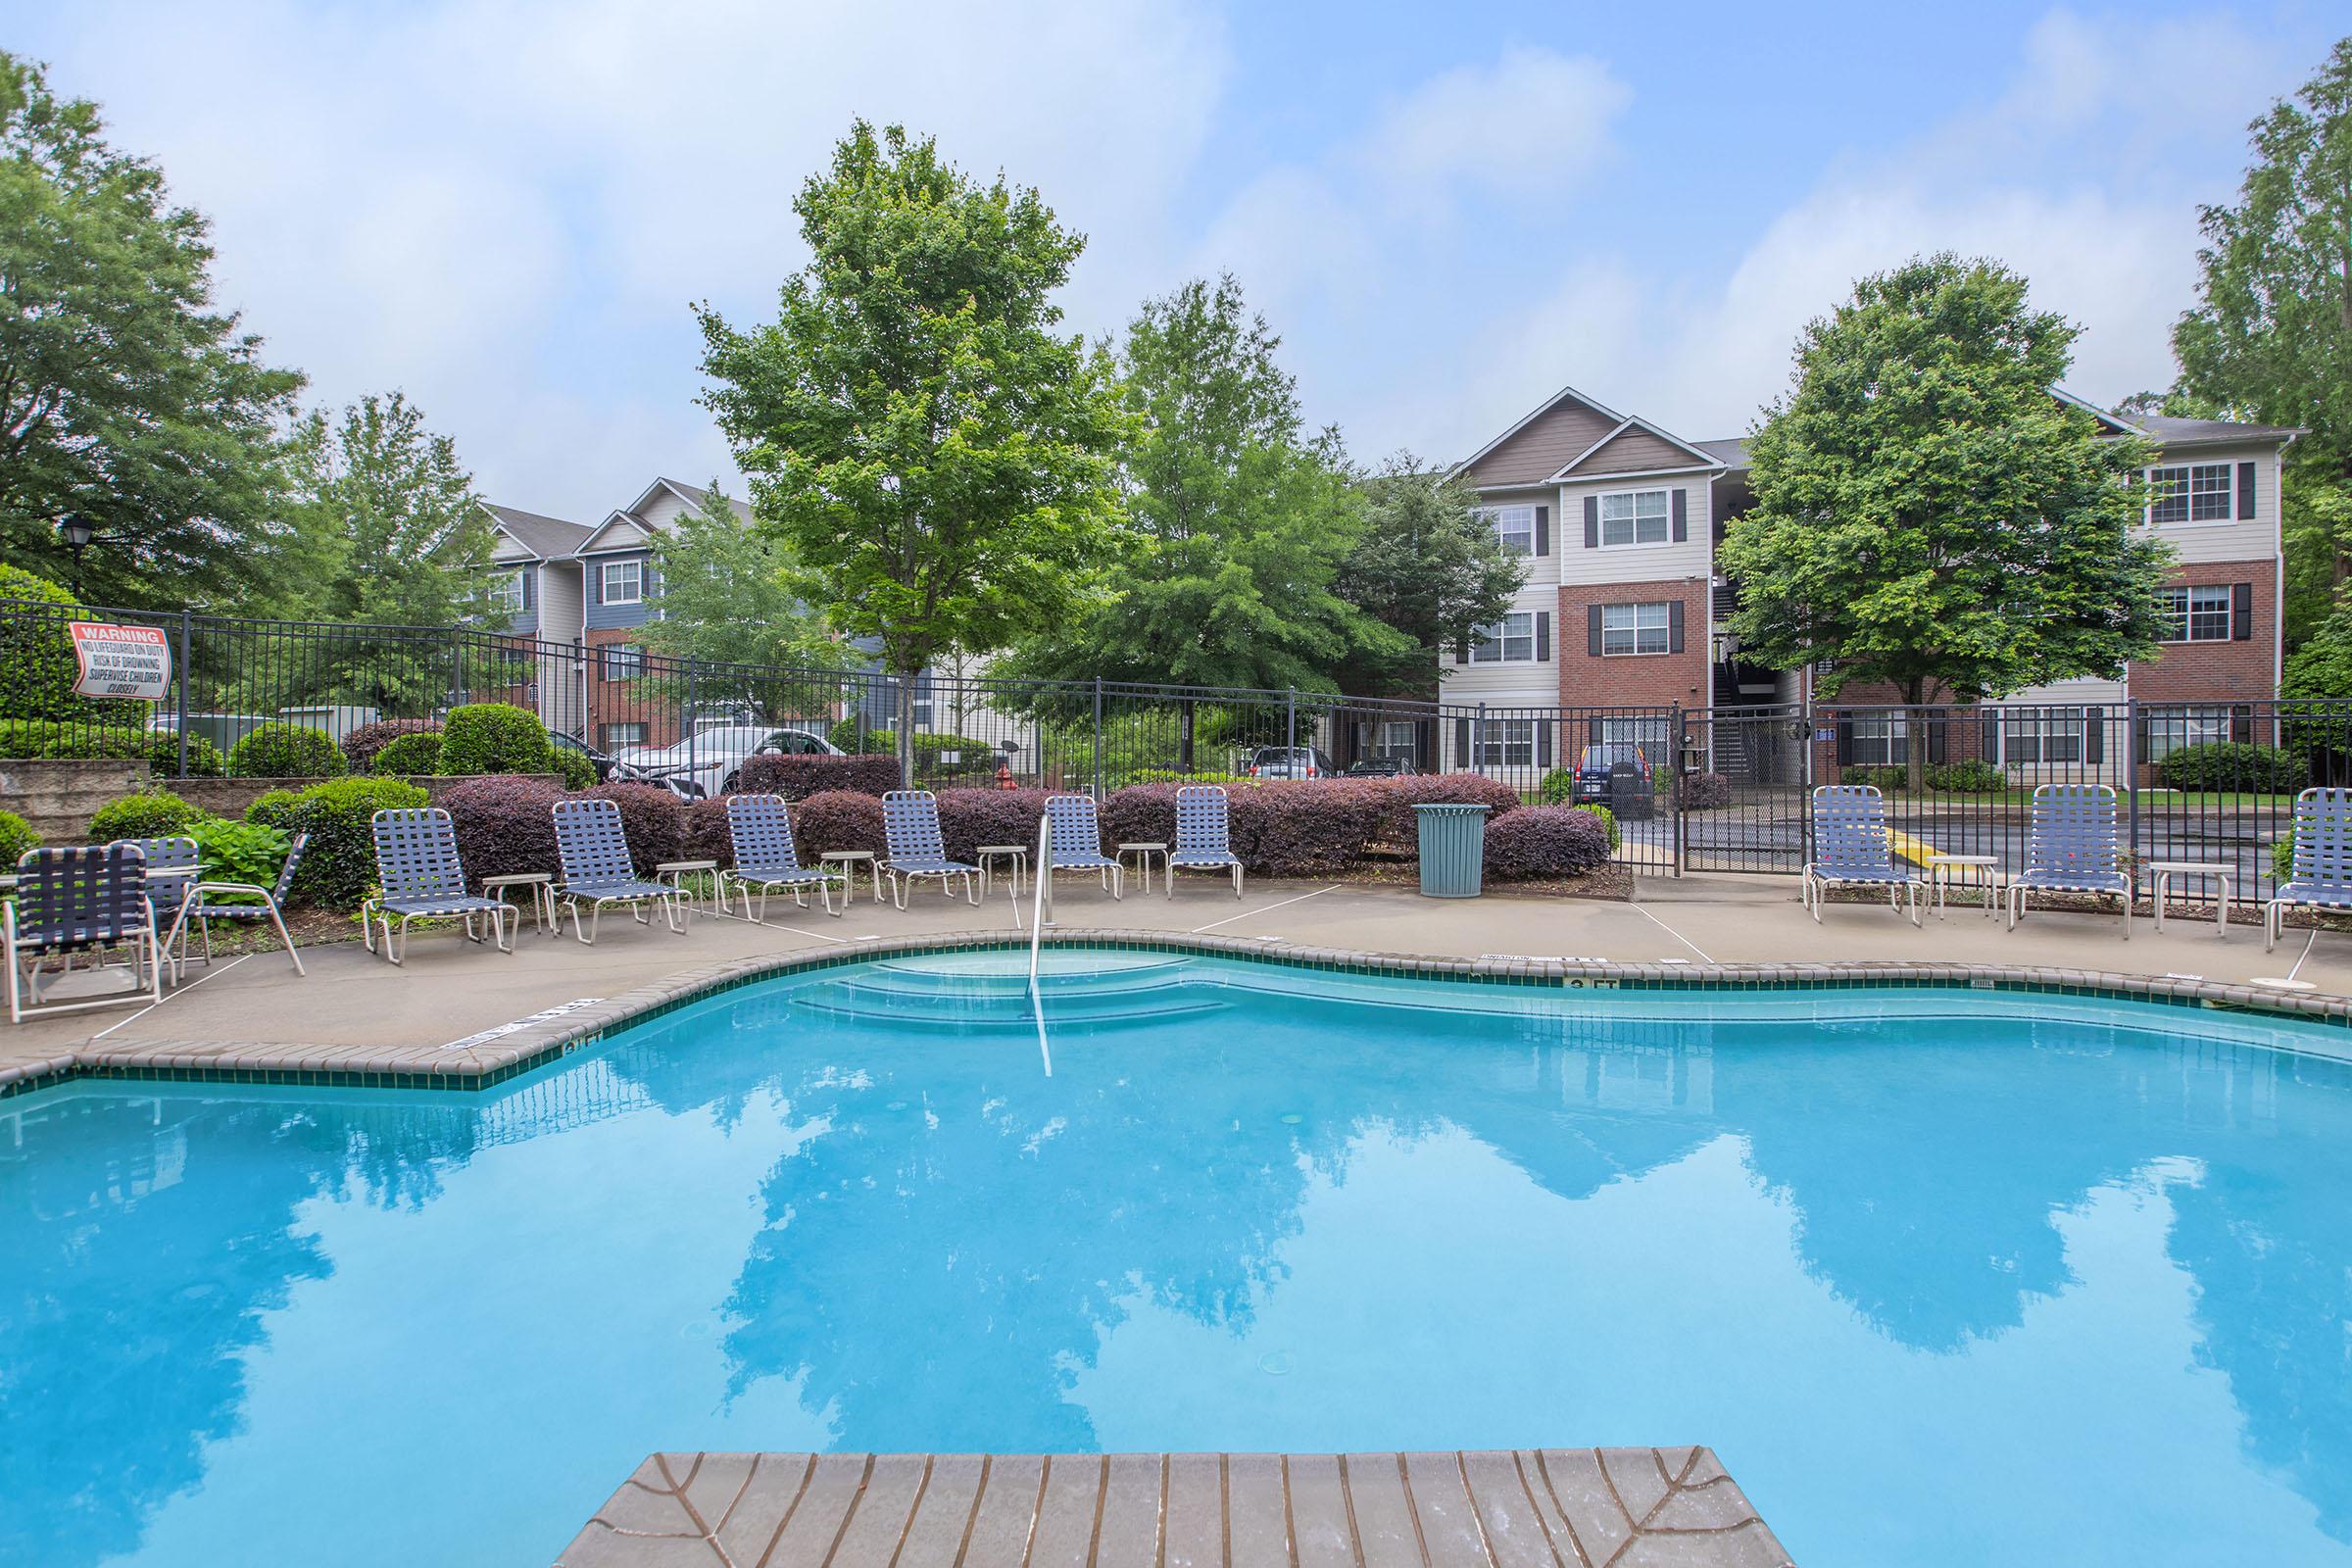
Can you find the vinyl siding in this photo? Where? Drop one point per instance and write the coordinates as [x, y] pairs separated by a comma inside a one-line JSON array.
[[1635, 452], [2237, 540], [1543, 446], [601, 616], [559, 602], [1693, 556]]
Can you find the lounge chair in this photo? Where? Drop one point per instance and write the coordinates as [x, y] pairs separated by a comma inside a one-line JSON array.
[[597, 869], [1074, 843], [171, 877], [208, 901], [1202, 842], [419, 878], [2074, 846], [911, 830], [80, 899], [1851, 849], [2321, 871], [760, 827]]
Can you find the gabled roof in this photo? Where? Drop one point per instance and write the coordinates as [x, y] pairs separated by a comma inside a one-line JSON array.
[[2189, 432], [697, 497], [1530, 418], [1701, 459], [694, 496], [546, 538], [2114, 423]]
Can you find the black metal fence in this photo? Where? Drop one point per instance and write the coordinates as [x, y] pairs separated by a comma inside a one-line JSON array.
[[1721, 788]]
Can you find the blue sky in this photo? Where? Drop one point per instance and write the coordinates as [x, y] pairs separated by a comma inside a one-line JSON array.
[[505, 208]]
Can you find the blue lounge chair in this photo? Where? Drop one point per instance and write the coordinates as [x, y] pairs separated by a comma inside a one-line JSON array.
[[419, 877], [170, 878], [597, 869], [911, 830], [760, 828], [2074, 846], [2321, 871], [1850, 849], [239, 901], [1202, 842], [74, 901], [1074, 843]]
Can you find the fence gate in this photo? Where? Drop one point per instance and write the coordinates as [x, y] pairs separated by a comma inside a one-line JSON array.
[[1742, 804]]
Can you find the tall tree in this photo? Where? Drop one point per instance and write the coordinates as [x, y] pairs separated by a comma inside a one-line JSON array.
[[1428, 565], [2271, 337], [390, 516], [1928, 514], [1240, 519], [126, 397], [920, 438], [726, 592]]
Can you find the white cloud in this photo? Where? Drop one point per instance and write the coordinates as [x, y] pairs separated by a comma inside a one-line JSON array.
[[1528, 128]]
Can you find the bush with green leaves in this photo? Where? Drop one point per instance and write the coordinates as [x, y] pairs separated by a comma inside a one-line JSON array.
[[1886, 780], [2226, 766], [1971, 775], [338, 865], [54, 740], [414, 753], [1608, 821], [147, 814], [2283, 857], [16, 837], [1558, 787], [1170, 775], [577, 767], [286, 750], [229, 851], [38, 666], [494, 738], [361, 744]]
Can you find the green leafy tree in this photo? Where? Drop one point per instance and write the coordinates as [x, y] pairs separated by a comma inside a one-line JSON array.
[[920, 438], [2271, 336], [126, 397], [2322, 668], [1241, 519], [399, 536], [1429, 566], [727, 592], [1929, 516]]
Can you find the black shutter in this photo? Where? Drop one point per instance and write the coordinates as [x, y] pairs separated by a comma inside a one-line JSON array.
[[2094, 735], [1594, 729], [2139, 734], [1424, 744], [1461, 651], [1681, 519], [527, 574], [1989, 734], [1591, 522], [1938, 739], [1543, 636], [2241, 724], [1542, 742], [2245, 492], [1845, 742], [1461, 744], [596, 582], [1673, 622], [1593, 631], [1542, 530], [2242, 612]]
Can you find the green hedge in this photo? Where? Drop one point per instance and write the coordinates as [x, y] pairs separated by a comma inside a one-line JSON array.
[[494, 738], [578, 770], [148, 814], [1971, 775], [413, 754], [38, 666], [1608, 821], [2228, 766], [286, 750], [16, 837], [159, 749], [338, 865]]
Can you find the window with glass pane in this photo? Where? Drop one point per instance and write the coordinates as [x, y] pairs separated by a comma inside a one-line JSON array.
[[1515, 527], [623, 583], [1650, 734], [624, 662], [1509, 641], [2041, 735], [2170, 729], [2199, 614], [1635, 629], [506, 593], [1882, 740], [624, 735], [1399, 738], [1508, 742], [2199, 492], [1636, 517]]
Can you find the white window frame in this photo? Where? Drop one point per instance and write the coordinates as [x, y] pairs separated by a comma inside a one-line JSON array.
[[2170, 729], [610, 737], [1633, 518], [506, 592], [1881, 740], [1506, 742], [2038, 737], [1623, 628], [2182, 609], [1399, 739], [622, 662], [2205, 493], [1514, 525], [1653, 735], [1493, 643], [604, 592]]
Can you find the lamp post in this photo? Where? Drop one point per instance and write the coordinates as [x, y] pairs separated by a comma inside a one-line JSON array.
[[76, 532]]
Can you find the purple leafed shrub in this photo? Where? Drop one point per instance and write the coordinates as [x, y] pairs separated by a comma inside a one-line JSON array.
[[1290, 828], [969, 818], [707, 835], [361, 744], [652, 818], [1706, 792], [1146, 814], [1542, 843], [1398, 825], [837, 819], [797, 778], [503, 826]]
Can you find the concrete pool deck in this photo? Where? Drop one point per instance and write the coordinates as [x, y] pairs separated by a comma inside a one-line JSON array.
[[1549, 1508], [458, 1012]]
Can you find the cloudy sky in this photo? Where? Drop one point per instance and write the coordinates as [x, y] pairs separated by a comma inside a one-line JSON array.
[[505, 206]]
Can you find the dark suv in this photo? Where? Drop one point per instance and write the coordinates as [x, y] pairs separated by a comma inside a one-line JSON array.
[[1597, 763]]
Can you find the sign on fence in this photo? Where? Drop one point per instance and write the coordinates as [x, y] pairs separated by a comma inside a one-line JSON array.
[[121, 660]]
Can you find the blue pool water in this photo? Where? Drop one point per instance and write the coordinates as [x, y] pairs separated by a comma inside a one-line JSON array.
[[1946, 1278]]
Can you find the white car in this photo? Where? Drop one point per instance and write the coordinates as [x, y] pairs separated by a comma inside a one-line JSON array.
[[711, 763]]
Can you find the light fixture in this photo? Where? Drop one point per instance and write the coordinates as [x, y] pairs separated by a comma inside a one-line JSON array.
[[76, 530]]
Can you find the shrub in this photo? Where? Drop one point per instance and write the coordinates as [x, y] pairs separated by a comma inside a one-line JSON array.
[[1146, 814], [251, 853], [494, 738], [705, 832], [969, 818], [38, 666], [1703, 792], [1302, 827], [503, 826], [797, 778], [578, 770], [1971, 775], [338, 866], [361, 744], [1170, 775], [652, 818], [1397, 824], [159, 748], [2235, 766], [16, 837], [1543, 843], [148, 814], [2283, 857], [1886, 780], [838, 819], [204, 758], [286, 750], [1558, 787], [416, 754], [1608, 821], [971, 755]]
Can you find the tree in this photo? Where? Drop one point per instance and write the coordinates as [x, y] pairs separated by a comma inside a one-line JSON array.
[[1429, 566], [2271, 336], [2321, 670], [1239, 521], [389, 513], [1929, 515], [725, 593], [125, 397], [919, 438]]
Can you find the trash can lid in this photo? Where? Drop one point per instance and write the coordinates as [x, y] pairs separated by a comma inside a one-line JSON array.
[[1451, 805]]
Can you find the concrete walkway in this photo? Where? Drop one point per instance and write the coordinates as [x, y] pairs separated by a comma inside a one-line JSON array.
[[451, 990]]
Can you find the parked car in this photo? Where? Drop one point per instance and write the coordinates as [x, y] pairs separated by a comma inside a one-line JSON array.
[[1381, 767], [711, 763], [1290, 761], [1596, 764], [603, 763]]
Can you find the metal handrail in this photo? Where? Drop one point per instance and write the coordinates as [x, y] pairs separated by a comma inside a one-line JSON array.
[[1037, 898]]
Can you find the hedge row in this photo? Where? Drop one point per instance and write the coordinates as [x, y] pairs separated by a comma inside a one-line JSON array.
[[51, 740]]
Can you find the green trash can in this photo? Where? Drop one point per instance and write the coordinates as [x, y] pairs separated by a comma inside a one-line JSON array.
[[1453, 849]]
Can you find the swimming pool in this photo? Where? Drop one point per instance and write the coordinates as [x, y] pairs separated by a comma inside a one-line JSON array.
[[1944, 1277]]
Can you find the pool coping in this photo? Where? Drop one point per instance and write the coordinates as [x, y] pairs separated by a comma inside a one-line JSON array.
[[484, 1065]]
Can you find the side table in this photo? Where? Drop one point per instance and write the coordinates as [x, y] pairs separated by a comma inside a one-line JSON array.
[[1014, 856], [543, 895], [1143, 852], [1939, 871], [2225, 875], [847, 860], [675, 874]]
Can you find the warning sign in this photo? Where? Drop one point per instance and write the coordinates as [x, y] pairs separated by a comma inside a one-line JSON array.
[[122, 661]]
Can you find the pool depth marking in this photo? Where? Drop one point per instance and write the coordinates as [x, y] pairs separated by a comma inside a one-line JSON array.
[[543, 1016]]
